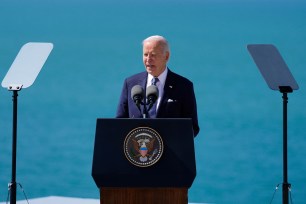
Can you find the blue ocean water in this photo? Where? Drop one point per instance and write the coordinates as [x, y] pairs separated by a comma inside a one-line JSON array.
[[98, 43]]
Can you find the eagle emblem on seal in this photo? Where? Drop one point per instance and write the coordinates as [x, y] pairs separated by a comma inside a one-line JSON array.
[[143, 147]]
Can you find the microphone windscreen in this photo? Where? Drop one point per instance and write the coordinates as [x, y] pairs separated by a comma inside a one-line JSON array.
[[137, 90], [152, 90]]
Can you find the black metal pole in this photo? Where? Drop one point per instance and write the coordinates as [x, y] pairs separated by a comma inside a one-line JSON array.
[[286, 185], [13, 185]]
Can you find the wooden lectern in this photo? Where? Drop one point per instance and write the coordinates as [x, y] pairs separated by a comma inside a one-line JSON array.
[[165, 182]]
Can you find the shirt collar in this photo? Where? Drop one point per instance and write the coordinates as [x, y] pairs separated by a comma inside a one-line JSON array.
[[162, 77]]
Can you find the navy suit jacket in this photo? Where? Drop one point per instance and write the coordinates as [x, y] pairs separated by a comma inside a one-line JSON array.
[[178, 100]]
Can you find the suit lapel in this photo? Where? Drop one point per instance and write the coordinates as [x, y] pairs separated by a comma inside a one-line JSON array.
[[168, 89], [143, 83]]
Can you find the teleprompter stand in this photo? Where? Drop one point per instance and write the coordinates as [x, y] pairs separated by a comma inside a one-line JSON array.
[[279, 78], [22, 74]]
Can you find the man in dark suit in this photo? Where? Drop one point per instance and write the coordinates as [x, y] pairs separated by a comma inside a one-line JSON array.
[[176, 94]]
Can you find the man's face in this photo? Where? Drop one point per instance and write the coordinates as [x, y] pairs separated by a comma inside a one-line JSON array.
[[154, 57]]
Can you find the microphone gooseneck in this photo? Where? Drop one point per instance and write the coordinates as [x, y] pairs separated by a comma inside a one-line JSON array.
[[137, 94], [152, 95]]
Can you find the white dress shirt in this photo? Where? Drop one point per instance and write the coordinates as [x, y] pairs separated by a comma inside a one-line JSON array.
[[160, 84]]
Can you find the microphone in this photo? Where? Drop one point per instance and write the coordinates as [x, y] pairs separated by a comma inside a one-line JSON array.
[[152, 95], [137, 95]]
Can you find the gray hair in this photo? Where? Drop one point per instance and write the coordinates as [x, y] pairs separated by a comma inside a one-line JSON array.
[[160, 39]]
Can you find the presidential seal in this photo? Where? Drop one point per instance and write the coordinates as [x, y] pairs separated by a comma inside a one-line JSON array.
[[143, 147]]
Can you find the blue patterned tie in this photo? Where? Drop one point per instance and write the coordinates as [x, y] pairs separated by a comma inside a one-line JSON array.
[[152, 111], [154, 81]]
